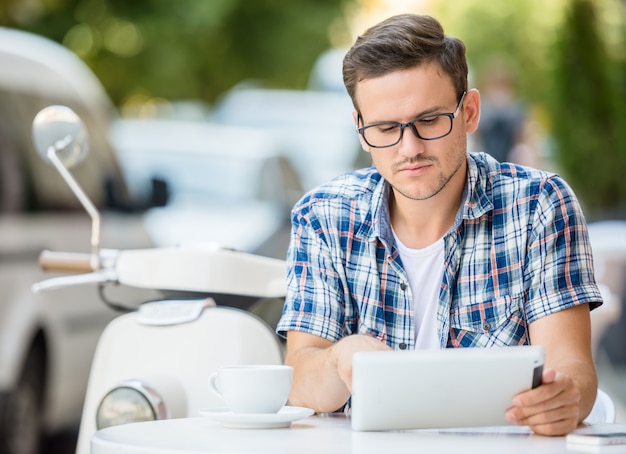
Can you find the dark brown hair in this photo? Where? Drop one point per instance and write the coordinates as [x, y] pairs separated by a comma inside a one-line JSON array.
[[403, 42]]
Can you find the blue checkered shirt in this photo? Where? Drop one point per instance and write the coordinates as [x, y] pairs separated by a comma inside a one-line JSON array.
[[518, 251]]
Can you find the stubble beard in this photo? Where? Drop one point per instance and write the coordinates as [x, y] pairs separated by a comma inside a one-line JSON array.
[[427, 193]]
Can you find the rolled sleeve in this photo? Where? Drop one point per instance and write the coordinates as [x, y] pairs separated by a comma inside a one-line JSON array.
[[314, 302], [560, 262]]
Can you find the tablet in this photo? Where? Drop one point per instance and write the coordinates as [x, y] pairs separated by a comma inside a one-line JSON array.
[[461, 387]]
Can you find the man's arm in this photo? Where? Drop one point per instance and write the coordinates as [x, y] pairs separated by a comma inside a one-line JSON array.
[[322, 378], [570, 383]]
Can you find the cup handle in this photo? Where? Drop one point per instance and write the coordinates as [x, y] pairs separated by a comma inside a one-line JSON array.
[[213, 385]]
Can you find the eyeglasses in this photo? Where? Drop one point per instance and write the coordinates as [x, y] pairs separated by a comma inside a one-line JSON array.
[[428, 127]]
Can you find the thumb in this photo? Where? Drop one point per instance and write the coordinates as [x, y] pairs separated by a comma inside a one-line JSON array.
[[548, 376]]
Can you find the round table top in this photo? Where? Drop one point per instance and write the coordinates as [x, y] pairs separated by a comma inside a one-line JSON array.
[[320, 434]]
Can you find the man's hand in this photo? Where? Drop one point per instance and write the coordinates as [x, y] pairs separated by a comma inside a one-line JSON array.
[[343, 351], [322, 376], [553, 408], [569, 382]]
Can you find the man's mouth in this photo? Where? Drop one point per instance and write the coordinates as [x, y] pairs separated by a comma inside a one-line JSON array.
[[414, 168]]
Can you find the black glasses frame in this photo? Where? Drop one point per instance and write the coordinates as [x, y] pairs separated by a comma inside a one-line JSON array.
[[411, 125]]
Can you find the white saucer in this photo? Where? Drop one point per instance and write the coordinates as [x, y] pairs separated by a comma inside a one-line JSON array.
[[283, 418]]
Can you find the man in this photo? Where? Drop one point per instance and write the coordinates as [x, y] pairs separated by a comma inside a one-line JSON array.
[[435, 247]]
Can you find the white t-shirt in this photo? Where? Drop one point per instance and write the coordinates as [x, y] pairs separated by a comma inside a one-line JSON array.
[[424, 269]]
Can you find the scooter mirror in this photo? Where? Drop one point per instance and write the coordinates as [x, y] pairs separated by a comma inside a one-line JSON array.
[[59, 128], [60, 137]]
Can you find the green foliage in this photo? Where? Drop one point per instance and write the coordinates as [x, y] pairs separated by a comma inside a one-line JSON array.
[[570, 56], [588, 110], [177, 49], [523, 30]]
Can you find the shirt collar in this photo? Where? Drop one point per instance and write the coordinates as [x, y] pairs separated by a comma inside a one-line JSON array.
[[376, 224], [475, 204]]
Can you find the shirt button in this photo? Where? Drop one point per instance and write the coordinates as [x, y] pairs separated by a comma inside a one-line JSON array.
[[402, 346], [403, 286], [486, 326]]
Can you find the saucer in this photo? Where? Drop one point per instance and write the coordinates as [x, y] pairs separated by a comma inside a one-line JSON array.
[[283, 418]]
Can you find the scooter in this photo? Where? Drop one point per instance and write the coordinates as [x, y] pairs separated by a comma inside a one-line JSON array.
[[154, 361]]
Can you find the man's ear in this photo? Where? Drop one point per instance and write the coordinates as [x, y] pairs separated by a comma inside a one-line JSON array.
[[471, 110]]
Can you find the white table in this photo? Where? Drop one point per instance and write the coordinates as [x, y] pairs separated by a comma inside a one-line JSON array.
[[326, 434]]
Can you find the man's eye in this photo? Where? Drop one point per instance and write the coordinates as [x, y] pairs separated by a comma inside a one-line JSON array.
[[428, 120], [387, 128]]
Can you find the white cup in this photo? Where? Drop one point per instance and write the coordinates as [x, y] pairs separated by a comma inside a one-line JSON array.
[[252, 388]]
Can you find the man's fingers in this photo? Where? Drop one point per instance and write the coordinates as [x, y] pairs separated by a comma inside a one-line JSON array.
[[551, 409], [555, 429]]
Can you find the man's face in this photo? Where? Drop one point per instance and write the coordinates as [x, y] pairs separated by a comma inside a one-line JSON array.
[[418, 169]]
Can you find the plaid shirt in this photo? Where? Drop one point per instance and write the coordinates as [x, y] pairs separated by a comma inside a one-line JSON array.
[[518, 251]]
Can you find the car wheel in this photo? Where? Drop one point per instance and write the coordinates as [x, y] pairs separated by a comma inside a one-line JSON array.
[[21, 409]]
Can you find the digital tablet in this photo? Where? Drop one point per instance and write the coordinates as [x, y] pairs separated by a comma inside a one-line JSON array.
[[461, 387]]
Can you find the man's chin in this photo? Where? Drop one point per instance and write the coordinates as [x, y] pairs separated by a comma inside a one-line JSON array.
[[416, 193]]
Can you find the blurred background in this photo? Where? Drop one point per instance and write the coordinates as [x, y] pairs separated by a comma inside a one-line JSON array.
[[208, 119]]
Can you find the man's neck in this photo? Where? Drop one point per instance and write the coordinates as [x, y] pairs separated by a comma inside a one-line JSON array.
[[420, 223]]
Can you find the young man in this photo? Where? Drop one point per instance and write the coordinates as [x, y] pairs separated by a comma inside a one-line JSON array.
[[435, 247]]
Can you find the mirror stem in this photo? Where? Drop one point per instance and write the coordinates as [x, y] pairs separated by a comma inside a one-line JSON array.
[[84, 200]]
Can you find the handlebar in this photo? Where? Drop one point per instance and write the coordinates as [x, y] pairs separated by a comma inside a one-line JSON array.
[[65, 261], [201, 269]]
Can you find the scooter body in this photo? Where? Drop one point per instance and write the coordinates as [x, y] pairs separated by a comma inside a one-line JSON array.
[[154, 362], [171, 364]]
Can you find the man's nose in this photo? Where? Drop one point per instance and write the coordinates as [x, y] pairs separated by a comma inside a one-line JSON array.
[[410, 144]]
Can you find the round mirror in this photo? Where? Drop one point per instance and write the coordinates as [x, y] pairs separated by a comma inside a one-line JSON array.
[[60, 128]]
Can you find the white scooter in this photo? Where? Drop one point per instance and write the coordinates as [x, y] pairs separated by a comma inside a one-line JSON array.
[[154, 362]]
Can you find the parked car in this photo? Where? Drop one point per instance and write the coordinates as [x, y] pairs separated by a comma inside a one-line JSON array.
[[47, 340], [327, 74], [314, 128], [228, 184]]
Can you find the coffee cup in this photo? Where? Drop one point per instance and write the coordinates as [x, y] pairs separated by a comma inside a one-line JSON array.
[[252, 388]]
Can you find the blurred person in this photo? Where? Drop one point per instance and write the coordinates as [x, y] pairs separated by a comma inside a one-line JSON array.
[[503, 115], [528, 149], [435, 246]]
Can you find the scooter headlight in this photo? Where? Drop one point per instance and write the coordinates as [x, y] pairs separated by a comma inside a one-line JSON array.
[[130, 401]]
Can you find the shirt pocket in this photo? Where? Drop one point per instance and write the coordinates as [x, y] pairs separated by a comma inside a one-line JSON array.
[[494, 322]]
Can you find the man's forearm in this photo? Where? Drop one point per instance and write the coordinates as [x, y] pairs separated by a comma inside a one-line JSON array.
[[316, 382], [323, 369]]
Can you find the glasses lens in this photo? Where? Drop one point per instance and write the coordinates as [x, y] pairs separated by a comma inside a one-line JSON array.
[[382, 135], [429, 127], [433, 126]]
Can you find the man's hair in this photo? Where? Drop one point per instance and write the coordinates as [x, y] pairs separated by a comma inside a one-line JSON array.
[[402, 42]]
